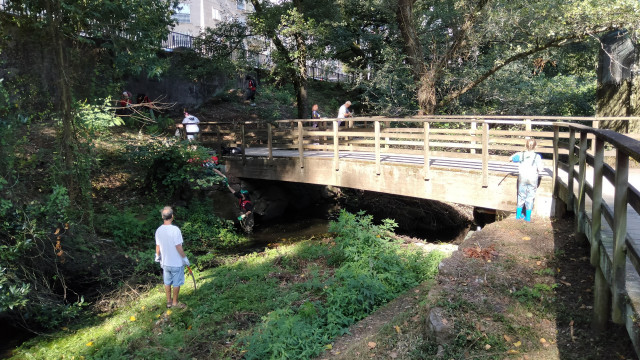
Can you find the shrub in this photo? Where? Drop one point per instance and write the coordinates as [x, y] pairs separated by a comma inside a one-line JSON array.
[[373, 269]]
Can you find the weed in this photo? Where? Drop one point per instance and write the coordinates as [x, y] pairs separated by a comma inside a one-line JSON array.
[[544, 272]]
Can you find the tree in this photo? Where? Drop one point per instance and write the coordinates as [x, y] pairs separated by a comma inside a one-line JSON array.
[[294, 32], [122, 34], [469, 41]]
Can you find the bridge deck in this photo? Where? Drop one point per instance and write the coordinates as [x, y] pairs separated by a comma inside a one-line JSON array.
[[441, 162]]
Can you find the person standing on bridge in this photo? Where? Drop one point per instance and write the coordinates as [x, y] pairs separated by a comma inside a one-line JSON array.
[[315, 114], [190, 124], [344, 112], [529, 169]]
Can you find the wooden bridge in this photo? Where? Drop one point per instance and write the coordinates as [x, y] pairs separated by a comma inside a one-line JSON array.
[[464, 159]]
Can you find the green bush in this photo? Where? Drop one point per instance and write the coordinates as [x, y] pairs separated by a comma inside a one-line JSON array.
[[173, 167], [204, 231], [127, 227], [373, 269]]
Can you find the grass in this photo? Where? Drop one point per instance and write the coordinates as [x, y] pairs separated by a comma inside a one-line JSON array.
[[290, 301]]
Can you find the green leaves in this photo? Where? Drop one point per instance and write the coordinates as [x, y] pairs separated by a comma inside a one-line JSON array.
[[372, 271]]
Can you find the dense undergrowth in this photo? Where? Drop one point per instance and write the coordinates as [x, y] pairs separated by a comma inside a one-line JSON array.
[[289, 301]]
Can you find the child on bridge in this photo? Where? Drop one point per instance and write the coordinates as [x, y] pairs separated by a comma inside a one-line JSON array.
[[529, 168]]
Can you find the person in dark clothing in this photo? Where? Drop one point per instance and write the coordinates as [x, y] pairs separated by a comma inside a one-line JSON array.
[[251, 90], [244, 202]]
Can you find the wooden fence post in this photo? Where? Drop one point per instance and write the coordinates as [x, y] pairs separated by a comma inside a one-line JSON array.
[[556, 160], [582, 166], [596, 201], [244, 157], [270, 140], [427, 151], [570, 172], [601, 301], [485, 154], [619, 237], [377, 145], [219, 140], [336, 143], [474, 127], [301, 144]]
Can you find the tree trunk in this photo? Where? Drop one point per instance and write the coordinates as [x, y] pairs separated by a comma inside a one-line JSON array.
[[427, 77], [67, 138], [301, 76], [298, 73], [411, 43]]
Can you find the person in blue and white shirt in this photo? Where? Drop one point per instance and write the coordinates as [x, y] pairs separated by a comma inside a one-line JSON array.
[[530, 167]]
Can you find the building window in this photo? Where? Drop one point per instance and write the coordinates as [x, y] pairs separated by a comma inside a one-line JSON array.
[[240, 4], [182, 14], [215, 14]]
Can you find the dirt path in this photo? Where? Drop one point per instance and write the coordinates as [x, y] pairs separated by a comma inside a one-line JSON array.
[[513, 290]]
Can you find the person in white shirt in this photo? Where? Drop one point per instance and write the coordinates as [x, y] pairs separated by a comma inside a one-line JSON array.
[[190, 123], [344, 112], [171, 256]]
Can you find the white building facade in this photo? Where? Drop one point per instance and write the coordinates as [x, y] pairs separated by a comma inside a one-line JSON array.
[[194, 16]]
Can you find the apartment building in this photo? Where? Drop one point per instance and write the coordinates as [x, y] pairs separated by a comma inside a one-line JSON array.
[[193, 16]]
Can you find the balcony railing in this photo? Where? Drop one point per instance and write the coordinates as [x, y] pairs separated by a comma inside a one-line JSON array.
[[315, 70]]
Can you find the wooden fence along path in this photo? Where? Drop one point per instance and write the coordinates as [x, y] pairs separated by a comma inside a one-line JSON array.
[[589, 169]]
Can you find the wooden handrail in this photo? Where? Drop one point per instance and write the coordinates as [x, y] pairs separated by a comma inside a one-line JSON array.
[[610, 292]]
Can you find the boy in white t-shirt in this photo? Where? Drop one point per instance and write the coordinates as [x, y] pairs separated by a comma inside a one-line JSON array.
[[171, 256]]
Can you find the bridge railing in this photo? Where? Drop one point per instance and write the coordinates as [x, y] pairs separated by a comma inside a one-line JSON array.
[[471, 137], [614, 251]]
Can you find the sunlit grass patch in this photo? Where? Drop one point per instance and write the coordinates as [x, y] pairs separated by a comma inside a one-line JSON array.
[[293, 299]]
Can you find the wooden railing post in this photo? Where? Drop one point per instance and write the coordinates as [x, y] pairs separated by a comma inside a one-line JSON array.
[[242, 139], [270, 140], [582, 166], [601, 301], [219, 140], [377, 145], [596, 125], [474, 127], [596, 201], [485, 154], [570, 172], [619, 235], [427, 151], [556, 160], [301, 144], [336, 143]]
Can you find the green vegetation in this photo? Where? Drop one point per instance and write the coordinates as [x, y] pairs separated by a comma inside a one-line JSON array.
[[287, 302], [80, 189]]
